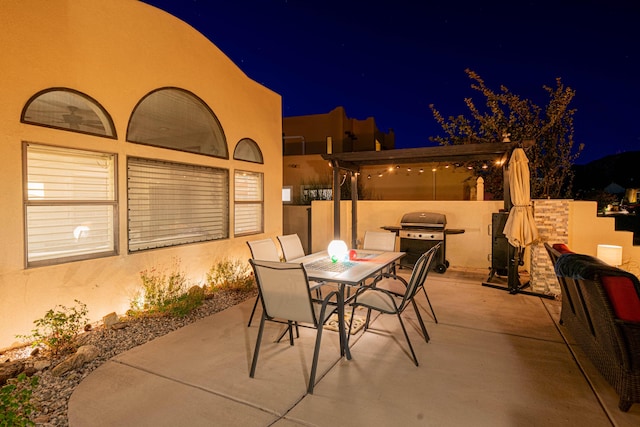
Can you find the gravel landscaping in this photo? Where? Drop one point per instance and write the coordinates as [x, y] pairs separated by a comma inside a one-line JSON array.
[[52, 393]]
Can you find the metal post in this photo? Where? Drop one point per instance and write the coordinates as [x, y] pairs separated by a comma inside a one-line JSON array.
[[309, 231], [336, 200], [354, 209], [434, 183]]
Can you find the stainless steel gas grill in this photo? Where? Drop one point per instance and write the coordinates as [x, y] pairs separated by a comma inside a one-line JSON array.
[[419, 232]]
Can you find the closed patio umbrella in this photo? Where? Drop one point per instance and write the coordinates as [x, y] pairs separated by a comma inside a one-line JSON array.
[[520, 228]]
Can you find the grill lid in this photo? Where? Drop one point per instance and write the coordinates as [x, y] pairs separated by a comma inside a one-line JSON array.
[[424, 220]]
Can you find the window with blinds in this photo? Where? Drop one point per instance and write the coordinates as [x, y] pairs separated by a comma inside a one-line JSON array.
[[70, 204], [249, 203], [174, 204]]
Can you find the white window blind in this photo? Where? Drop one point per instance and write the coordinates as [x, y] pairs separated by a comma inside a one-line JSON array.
[[173, 204], [70, 204], [249, 202]]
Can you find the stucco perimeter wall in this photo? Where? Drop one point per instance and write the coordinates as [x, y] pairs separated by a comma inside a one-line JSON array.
[[565, 221], [116, 52], [471, 249]]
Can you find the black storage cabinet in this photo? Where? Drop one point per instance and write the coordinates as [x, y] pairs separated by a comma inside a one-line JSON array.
[[499, 245]]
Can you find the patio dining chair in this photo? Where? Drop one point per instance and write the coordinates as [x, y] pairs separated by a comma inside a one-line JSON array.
[[380, 241], [291, 247], [422, 282], [292, 250], [286, 298], [262, 250], [387, 301]]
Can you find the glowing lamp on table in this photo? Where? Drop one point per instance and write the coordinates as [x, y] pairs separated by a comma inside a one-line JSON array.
[[338, 251]]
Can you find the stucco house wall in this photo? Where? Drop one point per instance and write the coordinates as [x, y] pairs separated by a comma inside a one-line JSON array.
[[117, 51]]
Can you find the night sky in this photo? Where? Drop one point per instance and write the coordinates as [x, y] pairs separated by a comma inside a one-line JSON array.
[[390, 60]]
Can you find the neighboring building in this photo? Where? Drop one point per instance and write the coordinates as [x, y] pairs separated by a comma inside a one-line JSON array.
[[306, 176], [333, 132], [129, 141]]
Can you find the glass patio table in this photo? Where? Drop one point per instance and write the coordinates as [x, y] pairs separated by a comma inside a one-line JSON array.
[[366, 264]]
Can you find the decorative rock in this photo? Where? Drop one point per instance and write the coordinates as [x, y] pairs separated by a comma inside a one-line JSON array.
[[42, 419], [119, 325], [10, 370], [35, 352], [85, 354], [30, 371], [110, 320], [39, 365]]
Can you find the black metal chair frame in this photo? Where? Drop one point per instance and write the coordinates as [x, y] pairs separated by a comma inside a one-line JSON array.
[[418, 276]]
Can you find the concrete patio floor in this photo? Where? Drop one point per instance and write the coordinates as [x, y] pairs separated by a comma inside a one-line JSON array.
[[494, 359]]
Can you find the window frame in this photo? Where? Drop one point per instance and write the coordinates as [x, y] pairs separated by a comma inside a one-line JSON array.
[[215, 129], [244, 202], [253, 146], [91, 102], [27, 203]]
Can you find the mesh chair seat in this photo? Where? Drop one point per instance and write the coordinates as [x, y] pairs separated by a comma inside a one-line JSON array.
[[380, 300]]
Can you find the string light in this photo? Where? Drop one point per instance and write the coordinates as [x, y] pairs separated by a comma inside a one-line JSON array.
[[391, 168]]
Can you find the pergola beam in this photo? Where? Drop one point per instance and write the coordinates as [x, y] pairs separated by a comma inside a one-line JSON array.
[[495, 151]]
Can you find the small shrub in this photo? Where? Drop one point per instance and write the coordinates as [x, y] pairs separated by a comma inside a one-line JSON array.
[[230, 274], [15, 401], [58, 329], [187, 302], [164, 291]]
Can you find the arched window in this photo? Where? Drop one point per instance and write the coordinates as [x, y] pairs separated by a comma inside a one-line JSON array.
[[176, 119], [68, 109], [248, 150]]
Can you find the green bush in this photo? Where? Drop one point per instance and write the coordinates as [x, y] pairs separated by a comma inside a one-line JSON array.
[[58, 329], [164, 291], [187, 302], [15, 401], [230, 274]]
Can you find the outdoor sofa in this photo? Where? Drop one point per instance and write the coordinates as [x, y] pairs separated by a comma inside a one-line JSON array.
[[601, 311]]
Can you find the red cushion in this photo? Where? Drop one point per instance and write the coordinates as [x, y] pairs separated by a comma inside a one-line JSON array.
[[623, 297], [562, 248]]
